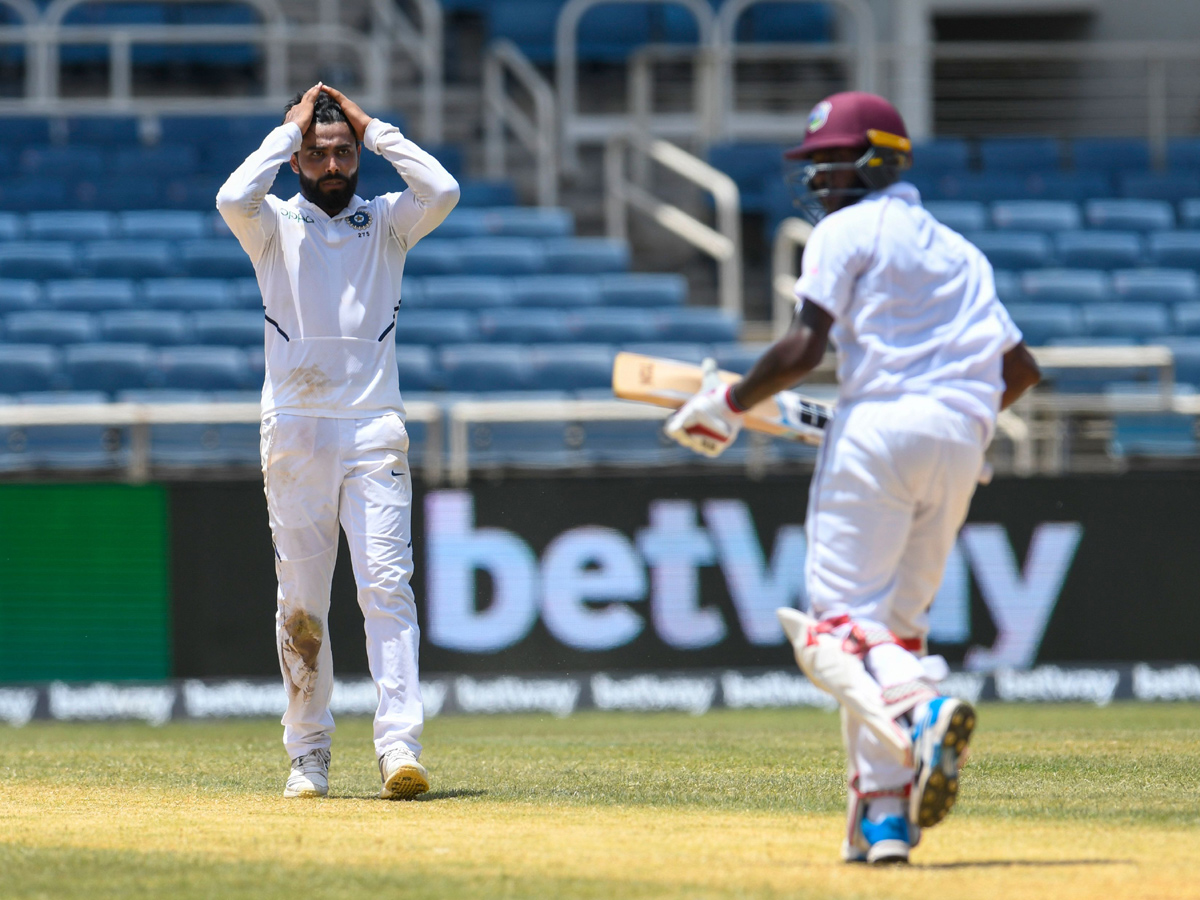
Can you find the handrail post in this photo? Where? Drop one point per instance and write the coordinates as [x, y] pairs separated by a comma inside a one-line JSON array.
[[792, 235], [538, 134]]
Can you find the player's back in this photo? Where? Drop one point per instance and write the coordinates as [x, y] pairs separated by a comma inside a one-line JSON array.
[[914, 305]]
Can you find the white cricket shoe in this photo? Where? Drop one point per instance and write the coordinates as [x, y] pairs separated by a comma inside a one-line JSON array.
[[403, 777], [309, 776], [941, 730]]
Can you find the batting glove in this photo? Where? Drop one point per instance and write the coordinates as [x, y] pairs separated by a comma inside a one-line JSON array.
[[707, 423]]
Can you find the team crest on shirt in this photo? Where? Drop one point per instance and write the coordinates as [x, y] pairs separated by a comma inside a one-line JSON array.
[[360, 219], [819, 116]]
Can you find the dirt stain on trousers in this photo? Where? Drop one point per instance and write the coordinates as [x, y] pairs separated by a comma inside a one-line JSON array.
[[300, 644]]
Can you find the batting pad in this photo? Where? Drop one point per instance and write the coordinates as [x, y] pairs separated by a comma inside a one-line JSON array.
[[842, 675]]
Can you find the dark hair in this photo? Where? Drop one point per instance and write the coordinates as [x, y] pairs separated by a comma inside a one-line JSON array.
[[325, 109]]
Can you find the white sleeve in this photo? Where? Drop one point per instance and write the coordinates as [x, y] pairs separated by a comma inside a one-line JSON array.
[[432, 191], [833, 259], [240, 199]]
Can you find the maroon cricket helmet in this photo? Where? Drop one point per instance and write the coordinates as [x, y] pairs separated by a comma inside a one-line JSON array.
[[853, 119]]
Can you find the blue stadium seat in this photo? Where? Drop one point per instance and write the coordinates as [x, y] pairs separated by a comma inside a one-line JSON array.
[[412, 292], [46, 327], [120, 194], [586, 256], [1099, 249], [1020, 154], [91, 294], [187, 294], [527, 23], [196, 193], [1035, 215], [1187, 318], [502, 256], [1189, 213], [1162, 435], [246, 293], [1013, 249], [1186, 351], [30, 367], [1130, 215], [979, 186], [435, 257], [418, 369], [612, 326], [78, 447], [1173, 249], [161, 161], [1073, 186], [12, 226], [631, 443], [108, 367], [697, 324], [181, 444], [215, 258], [460, 223], [157, 327], [1138, 320], [446, 326], [738, 357], [642, 289], [961, 215], [69, 225], [1066, 286], [524, 221], [941, 155], [52, 161], [524, 326], [26, 130], [103, 130], [1159, 185], [204, 368], [129, 259], [1156, 285], [751, 166], [162, 224], [482, 191], [538, 445], [486, 367], [1041, 323], [239, 441], [1078, 380], [35, 193], [223, 54], [557, 290], [465, 292], [571, 367], [1008, 286], [684, 351], [17, 295], [228, 327], [1110, 154], [1183, 154], [38, 260]]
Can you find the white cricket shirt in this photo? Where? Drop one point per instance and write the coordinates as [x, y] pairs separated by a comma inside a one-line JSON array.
[[913, 303], [331, 286]]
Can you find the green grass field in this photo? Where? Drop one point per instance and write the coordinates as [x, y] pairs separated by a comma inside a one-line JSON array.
[[1059, 802]]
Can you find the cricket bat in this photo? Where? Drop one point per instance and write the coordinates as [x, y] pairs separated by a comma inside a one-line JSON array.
[[667, 382]]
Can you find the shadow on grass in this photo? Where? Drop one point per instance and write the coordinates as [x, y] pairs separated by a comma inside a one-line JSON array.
[[450, 795], [1031, 863]]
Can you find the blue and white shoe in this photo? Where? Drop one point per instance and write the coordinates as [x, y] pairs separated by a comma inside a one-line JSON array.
[[889, 840], [941, 730]]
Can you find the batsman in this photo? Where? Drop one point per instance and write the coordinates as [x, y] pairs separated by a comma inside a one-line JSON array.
[[926, 358]]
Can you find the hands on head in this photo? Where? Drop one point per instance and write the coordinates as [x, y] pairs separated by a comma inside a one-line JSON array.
[[302, 112]]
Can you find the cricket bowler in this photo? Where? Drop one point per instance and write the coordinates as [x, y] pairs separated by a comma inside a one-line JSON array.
[[926, 358], [333, 443]]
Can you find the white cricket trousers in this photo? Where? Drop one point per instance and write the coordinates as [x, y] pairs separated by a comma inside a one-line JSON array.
[[317, 473], [892, 488]]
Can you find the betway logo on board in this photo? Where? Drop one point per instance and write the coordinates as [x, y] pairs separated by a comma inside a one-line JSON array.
[[596, 588]]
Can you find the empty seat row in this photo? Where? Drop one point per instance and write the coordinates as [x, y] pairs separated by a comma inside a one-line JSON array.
[[180, 224], [116, 367], [1051, 185], [1042, 323], [1098, 286], [224, 257], [1064, 215], [1089, 249], [244, 328], [629, 289]]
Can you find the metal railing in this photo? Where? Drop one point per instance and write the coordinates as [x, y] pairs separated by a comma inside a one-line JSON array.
[[790, 237], [723, 243], [44, 35], [537, 132]]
